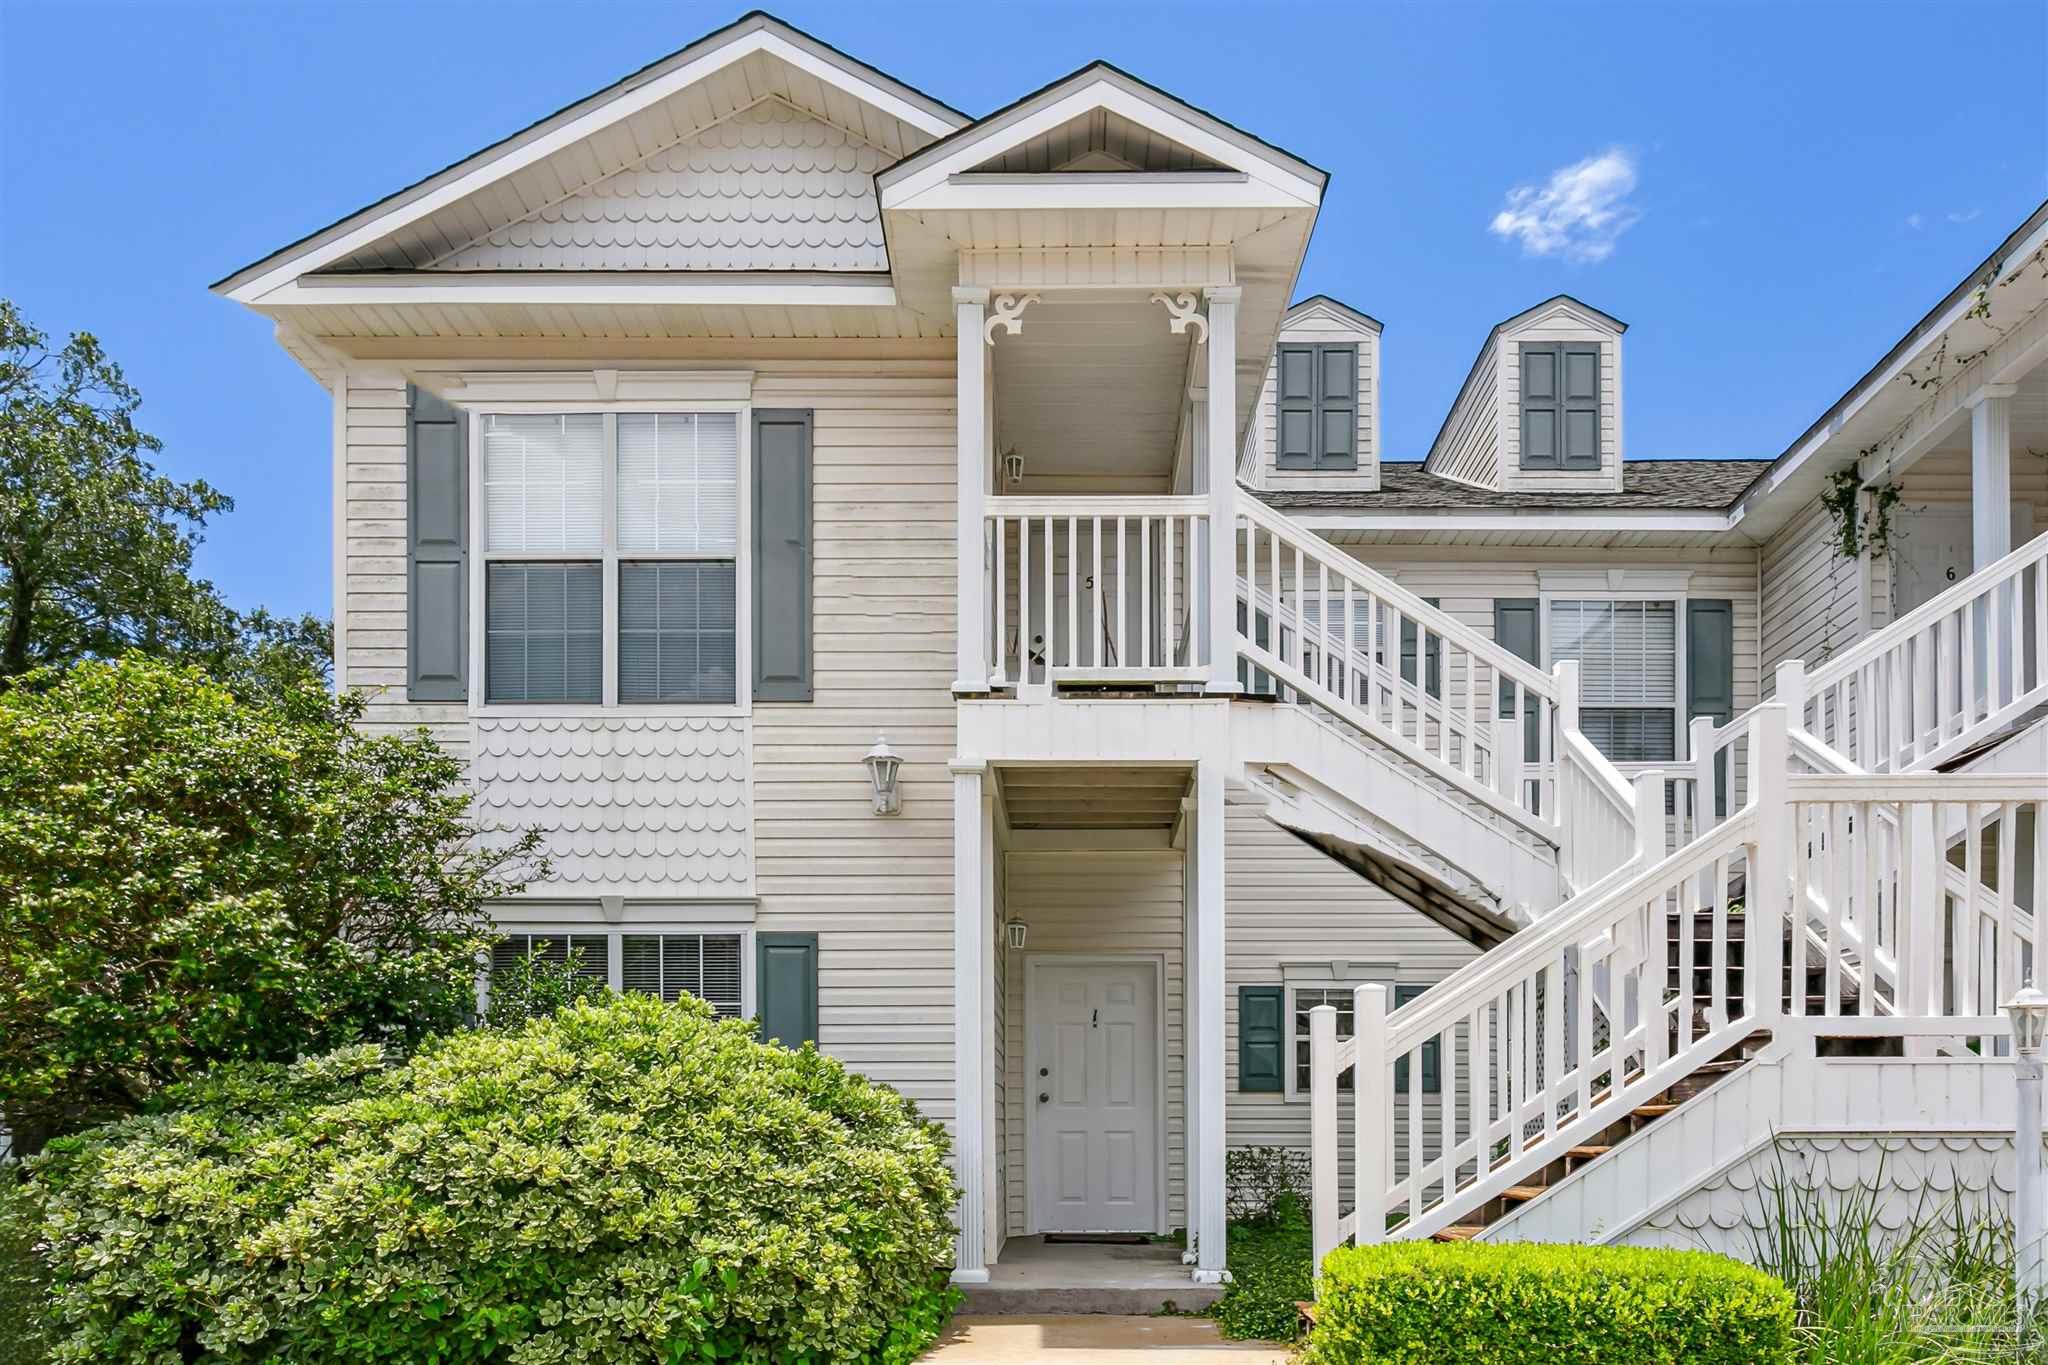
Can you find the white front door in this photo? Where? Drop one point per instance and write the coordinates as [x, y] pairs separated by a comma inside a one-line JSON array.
[[1092, 1084]]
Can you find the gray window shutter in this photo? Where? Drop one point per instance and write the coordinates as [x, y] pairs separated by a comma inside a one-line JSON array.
[[1515, 630], [437, 577], [1261, 1038], [1337, 407], [786, 987], [782, 555], [1432, 673], [1296, 389], [1579, 382], [1710, 673], [1432, 1070], [1540, 407]]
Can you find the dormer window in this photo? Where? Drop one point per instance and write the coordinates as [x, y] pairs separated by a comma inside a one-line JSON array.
[[1317, 388], [1561, 406]]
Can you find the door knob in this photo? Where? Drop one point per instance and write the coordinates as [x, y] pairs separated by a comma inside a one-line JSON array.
[[1044, 1098]]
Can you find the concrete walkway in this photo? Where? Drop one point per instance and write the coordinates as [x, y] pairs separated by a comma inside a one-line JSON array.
[[1094, 1339]]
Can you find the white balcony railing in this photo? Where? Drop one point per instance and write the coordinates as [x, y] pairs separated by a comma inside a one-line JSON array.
[[1095, 589]]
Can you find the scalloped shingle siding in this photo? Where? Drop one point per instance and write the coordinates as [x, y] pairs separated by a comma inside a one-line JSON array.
[[766, 189], [627, 802]]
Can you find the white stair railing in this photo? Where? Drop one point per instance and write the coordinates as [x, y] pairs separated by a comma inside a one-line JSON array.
[[1941, 678], [1498, 1070], [1318, 626]]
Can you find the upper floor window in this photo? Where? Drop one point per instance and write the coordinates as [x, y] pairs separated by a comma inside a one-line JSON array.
[[611, 546], [1561, 406], [1317, 392], [1628, 674]]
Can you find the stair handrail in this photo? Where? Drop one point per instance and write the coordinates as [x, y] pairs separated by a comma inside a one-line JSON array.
[[1838, 666]]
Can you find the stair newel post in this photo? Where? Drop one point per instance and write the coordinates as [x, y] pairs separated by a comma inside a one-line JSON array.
[[1372, 1112], [1322, 1132], [1565, 676], [1706, 790], [1652, 844], [1508, 755], [1769, 881]]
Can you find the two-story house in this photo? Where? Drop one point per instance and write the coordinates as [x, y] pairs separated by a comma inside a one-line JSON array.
[[941, 594]]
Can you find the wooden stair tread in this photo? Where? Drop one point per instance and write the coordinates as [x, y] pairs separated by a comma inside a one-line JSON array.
[[1458, 1232], [1587, 1153], [1522, 1194], [1652, 1111]]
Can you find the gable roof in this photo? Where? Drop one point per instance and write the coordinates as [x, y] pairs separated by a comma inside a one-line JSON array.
[[822, 72], [1342, 310], [985, 140], [1493, 335]]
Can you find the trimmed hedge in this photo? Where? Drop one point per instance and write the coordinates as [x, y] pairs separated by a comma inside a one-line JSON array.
[[1422, 1301], [623, 1181]]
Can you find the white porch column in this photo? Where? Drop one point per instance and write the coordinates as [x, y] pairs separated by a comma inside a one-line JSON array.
[[1222, 463], [1990, 474], [1191, 1012], [971, 388], [1205, 991], [971, 976]]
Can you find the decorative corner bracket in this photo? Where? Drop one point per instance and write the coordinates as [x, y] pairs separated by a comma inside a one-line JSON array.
[[1181, 315], [1009, 315]]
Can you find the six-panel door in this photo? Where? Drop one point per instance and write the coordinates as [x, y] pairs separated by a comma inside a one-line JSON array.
[[1092, 1084]]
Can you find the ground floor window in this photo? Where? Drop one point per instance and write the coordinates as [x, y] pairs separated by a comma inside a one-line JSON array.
[[1307, 998], [1628, 674], [664, 962]]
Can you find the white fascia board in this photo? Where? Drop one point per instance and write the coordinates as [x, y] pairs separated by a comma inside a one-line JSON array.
[[972, 193], [1533, 523], [356, 291], [1877, 384], [624, 105], [1105, 93]]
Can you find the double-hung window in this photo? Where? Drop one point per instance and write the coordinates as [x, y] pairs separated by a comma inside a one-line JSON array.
[[1628, 674], [667, 964], [1307, 998], [611, 544]]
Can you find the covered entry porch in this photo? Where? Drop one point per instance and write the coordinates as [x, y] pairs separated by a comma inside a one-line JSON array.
[[1089, 1014]]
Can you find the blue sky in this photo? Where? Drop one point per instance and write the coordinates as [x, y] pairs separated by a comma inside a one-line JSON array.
[[1769, 196]]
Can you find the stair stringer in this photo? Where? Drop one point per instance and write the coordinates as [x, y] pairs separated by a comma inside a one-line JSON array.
[[1786, 1093], [1361, 803]]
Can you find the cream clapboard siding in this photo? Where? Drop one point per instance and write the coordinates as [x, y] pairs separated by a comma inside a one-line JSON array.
[[373, 561], [1813, 601], [1106, 903], [1291, 910], [1319, 327], [1468, 449], [877, 892]]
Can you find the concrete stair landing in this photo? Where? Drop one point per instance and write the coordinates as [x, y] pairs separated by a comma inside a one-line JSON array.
[[1032, 1278]]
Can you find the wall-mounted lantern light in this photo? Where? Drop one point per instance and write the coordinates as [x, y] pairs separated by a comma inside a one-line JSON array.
[[1015, 931], [1013, 466], [882, 763]]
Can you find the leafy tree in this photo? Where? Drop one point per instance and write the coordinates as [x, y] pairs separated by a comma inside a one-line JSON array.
[[189, 875], [535, 988], [96, 545]]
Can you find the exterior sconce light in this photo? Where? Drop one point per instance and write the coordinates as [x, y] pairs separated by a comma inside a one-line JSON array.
[[1013, 466], [1014, 932], [2029, 1013], [882, 763]]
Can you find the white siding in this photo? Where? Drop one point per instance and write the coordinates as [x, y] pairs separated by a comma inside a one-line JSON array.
[[1469, 448], [1813, 601], [1105, 903], [878, 891]]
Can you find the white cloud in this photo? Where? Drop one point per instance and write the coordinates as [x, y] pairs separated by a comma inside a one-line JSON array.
[[1969, 216], [1578, 213], [1914, 222]]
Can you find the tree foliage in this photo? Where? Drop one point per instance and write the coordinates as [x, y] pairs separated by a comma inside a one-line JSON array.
[[189, 875], [619, 1182], [96, 545], [535, 988]]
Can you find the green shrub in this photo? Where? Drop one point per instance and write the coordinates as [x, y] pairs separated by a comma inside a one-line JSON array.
[[534, 988], [625, 1181], [1420, 1301], [1270, 1259], [21, 1290]]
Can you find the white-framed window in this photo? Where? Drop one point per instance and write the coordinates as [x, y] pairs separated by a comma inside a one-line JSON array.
[[709, 962], [1303, 998], [1631, 700], [610, 542]]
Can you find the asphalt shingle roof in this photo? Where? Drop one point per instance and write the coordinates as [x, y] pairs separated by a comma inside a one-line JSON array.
[[1667, 485]]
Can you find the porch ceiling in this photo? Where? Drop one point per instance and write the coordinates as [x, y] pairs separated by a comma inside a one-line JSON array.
[[1091, 390], [2029, 423], [1084, 798]]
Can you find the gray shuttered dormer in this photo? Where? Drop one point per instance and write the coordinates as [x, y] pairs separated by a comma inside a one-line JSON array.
[[1561, 406], [437, 555], [1316, 389]]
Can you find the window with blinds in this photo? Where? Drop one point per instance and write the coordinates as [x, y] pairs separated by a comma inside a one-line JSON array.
[[1628, 674], [671, 965], [593, 952], [662, 568]]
